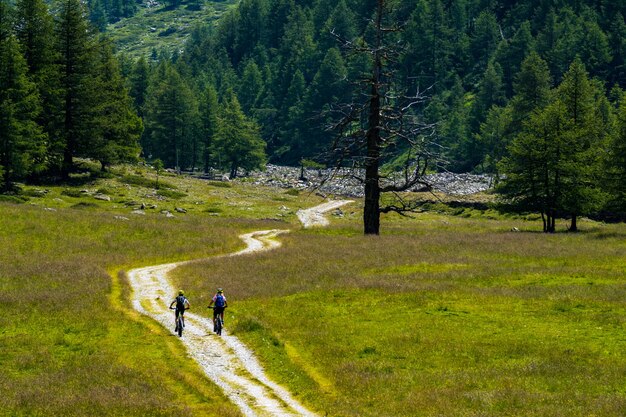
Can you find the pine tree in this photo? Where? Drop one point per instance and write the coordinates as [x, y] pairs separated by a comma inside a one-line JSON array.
[[615, 162], [580, 154], [34, 28], [171, 121], [533, 170], [21, 138], [208, 107], [139, 81], [511, 53], [238, 142], [341, 22], [251, 87], [75, 46], [114, 125]]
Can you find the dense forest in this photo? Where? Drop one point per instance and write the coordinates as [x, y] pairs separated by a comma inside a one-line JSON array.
[[510, 86]]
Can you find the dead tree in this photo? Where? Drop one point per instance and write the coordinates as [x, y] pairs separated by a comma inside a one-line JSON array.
[[381, 124]]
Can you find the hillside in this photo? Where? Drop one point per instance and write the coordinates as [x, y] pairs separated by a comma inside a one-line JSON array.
[[158, 27]]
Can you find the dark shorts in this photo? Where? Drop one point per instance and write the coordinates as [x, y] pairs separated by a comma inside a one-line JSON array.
[[218, 310], [177, 312]]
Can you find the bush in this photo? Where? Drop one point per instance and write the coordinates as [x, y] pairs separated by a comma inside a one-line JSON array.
[[16, 199]]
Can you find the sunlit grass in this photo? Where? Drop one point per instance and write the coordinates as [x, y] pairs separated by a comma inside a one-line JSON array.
[[70, 342], [438, 316]]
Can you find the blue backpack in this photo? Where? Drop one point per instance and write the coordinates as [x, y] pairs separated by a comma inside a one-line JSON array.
[[220, 301], [180, 302]]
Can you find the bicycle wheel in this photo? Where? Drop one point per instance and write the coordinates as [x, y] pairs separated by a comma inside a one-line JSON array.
[[180, 326], [218, 326]]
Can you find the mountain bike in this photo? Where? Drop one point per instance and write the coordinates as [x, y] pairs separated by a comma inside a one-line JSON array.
[[218, 323], [180, 323]]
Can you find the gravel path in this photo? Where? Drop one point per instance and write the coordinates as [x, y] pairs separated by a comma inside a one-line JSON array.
[[315, 215], [225, 360]]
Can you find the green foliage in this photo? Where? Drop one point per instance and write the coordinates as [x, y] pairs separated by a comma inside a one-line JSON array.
[[553, 162], [22, 141], [237, 140]]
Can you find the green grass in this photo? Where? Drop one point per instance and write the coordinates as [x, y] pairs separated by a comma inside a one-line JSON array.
[[440, 315], [70, 342], [443, 314], [162, 28]]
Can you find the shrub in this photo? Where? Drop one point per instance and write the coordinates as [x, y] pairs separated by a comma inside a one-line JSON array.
[[16, 199]]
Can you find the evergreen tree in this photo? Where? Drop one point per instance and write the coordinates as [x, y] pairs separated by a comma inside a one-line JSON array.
[[238, 142], [139, 82], [511, 53], [617, 43], [533, 172], [251, 87], [341, 23], [615, 162], [114, 125], [208, 108], [21, 138], [75, 46], [582, 148], [34, 28], [485, 38], [172, 121], [552, 167]]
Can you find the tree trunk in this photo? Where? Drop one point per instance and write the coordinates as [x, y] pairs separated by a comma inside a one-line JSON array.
[[371, 210], [543, 219], [233, 171], [574, 226], [206, 158]]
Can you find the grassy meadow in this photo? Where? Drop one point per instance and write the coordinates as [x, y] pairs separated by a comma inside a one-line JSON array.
[[447, 313], [439, 316], [70, 342]]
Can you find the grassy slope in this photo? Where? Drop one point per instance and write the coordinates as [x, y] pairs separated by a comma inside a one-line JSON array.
[[69, 342], [438, 316], [162, 27]]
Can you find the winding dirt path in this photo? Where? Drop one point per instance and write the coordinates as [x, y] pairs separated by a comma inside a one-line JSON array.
[[225, 360]]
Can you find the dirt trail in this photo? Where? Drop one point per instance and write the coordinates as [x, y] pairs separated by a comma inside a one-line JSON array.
[[225, 360]]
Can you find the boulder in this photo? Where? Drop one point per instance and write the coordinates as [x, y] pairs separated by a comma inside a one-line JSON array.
[[102, 197]]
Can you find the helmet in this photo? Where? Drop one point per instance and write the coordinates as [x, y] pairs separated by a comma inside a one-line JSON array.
[[219, 290], [181, 292]]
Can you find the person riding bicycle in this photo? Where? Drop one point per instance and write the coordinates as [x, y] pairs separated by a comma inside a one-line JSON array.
[[182, 304], [220, 304]]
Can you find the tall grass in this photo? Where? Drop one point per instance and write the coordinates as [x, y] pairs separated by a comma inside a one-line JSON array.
[[439, 316], [65, 349]]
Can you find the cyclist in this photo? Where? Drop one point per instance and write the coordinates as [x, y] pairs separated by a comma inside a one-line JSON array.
[[182, 304], [220, 304]]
